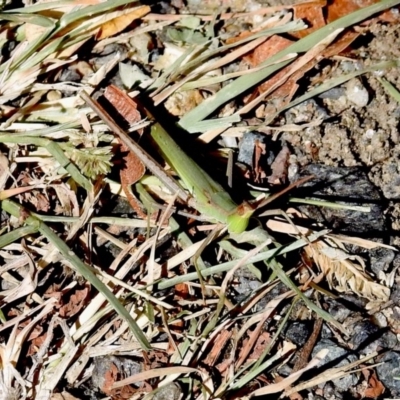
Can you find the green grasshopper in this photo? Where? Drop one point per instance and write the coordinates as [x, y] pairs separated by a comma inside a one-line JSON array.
[[208, 197]]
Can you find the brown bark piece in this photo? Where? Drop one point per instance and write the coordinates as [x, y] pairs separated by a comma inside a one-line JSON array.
[[305, 352], [312, 14], [267, 49], [219, 344], [134, 169]]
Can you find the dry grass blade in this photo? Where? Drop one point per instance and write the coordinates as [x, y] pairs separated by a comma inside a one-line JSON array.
[[280, 386], [345, 272], [161, 372], [243, 83], [82, 268], [84, 283], [330, 374]]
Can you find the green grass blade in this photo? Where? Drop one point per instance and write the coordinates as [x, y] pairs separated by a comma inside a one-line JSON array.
[[34, 19], [390, 89], [40, 7], [280, 273], [16, 234], [80, 267], [331, 83], [42, 54], [56, 151], [90, 11], [216, 269], [244, 83], [33, 46]]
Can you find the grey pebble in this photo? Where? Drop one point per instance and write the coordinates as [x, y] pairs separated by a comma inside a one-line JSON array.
[[356, 93], [381, 259], [103, 364], [349, 186], [172, 391], [368, 338], [337, 357], [333, 94], [246, 147], [338, 311], [389, 370], [298, 332]]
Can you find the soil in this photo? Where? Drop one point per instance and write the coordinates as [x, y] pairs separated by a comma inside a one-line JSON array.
[[365, 134], [358, 143], [360, 130], [358, 140]]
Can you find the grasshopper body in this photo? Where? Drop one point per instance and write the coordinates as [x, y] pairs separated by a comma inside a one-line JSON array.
[[208, 196]]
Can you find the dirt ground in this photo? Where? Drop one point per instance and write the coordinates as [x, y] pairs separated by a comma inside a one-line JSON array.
[[361, 120], [352, 134]]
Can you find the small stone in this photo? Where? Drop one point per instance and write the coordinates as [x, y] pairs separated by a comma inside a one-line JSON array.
[[247, 146], [326, 332], [389, 372], [380, 320], [102, 365], [285, 370], [247, 286], [338, 310], [337, 357], [172, 391], [395, 295], [53, 95], [333, 94], [69, 75], [330, 392], [387, 177], [367, 338], [356, 93], [83, 68], [298, 332], [369, 133], [381, 259], [180, 103], [338, 183], [305, 112]]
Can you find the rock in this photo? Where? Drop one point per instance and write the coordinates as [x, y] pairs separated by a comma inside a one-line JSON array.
[[120, 205], [356, 93], [330, 392], [395, 295], [69, 75], [337, 357], [367, 338], [172, 391], [338, 311], [305, 112], [380, 259], [247, 286], [387, 175], [298, 332], [334, 93], [389, 370], [348, 186], [103, 364], [266, 160], [285, 370], [380, 320], [247, 146], [326, 332]]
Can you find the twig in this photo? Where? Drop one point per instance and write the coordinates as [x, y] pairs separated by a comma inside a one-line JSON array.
[[146, 158]]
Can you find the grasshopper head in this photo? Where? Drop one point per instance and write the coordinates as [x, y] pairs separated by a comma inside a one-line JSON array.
[[239, 219]]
